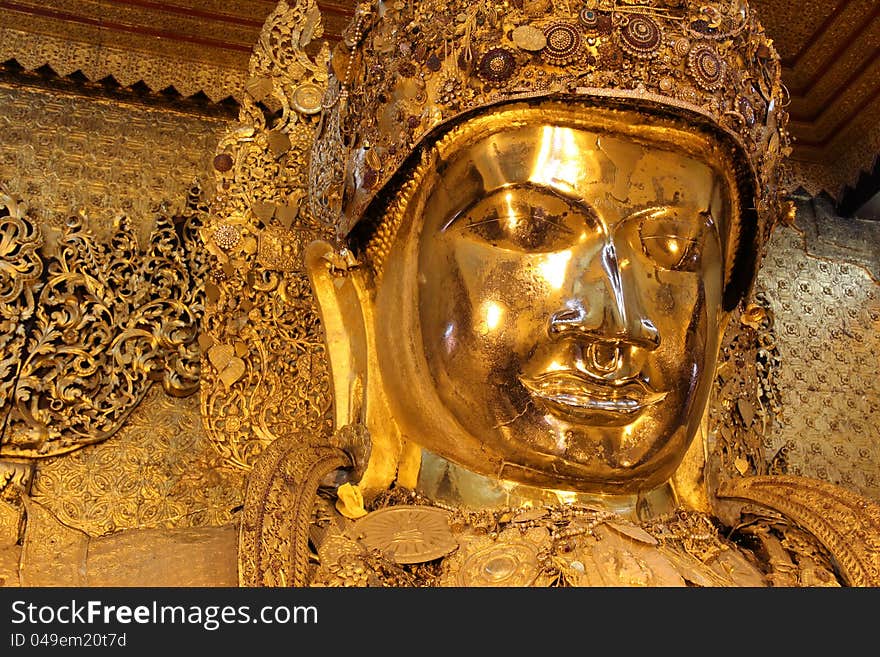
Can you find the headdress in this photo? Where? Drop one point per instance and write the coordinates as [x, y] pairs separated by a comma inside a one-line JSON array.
[[406, 70]]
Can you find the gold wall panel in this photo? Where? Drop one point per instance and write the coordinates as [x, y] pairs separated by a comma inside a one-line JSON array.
[[65, 154], [92, 325], [827, 313], [158, 471]]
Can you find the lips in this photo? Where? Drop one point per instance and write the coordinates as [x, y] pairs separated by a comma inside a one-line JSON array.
[[572, 393]]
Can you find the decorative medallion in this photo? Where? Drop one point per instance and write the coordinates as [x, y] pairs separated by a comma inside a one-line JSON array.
[[497, 65], [223, 162], [682, 46], [227, 236], [594, 22], [511, 563], [588, 18], [307, 98], [563, 44], [706, 67], [408, 534], [640, 36]]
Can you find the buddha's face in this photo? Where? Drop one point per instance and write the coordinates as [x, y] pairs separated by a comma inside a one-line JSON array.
[[550, 311]]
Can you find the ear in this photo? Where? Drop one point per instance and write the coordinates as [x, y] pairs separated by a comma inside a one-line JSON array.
[[338, 290], [344, 293]]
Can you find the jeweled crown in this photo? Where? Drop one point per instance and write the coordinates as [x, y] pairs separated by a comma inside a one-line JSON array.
[[407, 68]]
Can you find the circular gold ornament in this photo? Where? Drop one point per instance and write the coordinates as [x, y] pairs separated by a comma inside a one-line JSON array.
[[497, 65], [223, 162], [227, 236], [408, 534], [507, 563], [307, 98], [563, 44], [682, 46], [706, 67], [594, 22], [641, 37], [529, 38]]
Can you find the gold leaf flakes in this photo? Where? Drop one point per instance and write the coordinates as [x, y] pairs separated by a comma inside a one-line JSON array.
[[259, 88], [286, 214], [233, 371], [279, 143], [746, 411], [220, 354], [205, 341], [264, 211], [212, 292], [633, 532]]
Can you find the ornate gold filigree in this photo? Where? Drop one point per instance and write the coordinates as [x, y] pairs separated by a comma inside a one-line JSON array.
[[847, 524], [404, 72], [282, 488], [109, 320], [158, 70], [827, 319], [101, 158], [15, 482], [265, 372], [746, 401], [21, 269]]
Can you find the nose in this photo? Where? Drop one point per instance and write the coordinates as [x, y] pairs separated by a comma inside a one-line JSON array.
[[607, 308]]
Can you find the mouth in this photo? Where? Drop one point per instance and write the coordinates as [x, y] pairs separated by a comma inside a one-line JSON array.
[[571, 393]]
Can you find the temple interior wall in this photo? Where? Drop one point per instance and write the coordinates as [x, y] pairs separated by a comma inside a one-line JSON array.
[[821, 278]]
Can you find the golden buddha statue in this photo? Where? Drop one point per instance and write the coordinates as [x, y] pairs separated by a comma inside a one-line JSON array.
[[545, 215], [536, 220]]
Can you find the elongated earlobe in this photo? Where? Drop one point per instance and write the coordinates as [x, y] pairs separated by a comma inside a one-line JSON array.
[[344, 293]]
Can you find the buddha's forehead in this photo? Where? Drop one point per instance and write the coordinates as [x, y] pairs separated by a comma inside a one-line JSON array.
[[606, 169]]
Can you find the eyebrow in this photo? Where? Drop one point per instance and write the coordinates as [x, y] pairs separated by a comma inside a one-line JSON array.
[[663, 211]]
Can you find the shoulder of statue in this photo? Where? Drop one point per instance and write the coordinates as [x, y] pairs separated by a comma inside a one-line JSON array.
[[845, 523], [279, 507]]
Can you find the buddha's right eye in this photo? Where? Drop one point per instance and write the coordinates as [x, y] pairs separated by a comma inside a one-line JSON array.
[[522, 219]]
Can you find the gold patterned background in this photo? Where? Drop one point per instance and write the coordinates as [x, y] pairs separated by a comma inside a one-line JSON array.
[[65, 153], [827, 319], [157, 471]]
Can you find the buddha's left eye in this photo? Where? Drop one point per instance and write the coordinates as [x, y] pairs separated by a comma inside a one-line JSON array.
[[670, 241], [522, 219]]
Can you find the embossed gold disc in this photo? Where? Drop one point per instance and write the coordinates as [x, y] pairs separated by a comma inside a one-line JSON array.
[[408, 534], [506, 563], [307, 98]]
